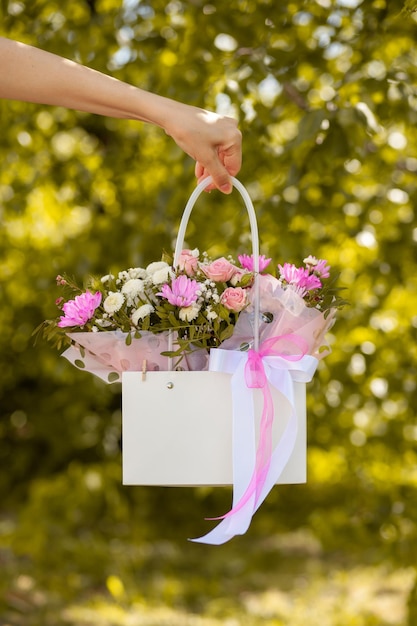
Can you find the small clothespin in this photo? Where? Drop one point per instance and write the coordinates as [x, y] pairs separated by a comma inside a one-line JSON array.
[[144, 363]]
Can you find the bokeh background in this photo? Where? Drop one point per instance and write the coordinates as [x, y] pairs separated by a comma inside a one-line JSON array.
[[326, 97]]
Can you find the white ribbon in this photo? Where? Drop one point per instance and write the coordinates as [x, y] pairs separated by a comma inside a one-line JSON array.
[[281, 374]]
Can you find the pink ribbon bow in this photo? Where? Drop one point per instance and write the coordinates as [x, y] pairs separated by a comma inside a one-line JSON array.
[[255, 378]]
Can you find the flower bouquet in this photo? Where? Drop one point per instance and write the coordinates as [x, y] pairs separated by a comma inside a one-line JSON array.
[[168, 317], [202, 346], [116, 322], [163, 317]]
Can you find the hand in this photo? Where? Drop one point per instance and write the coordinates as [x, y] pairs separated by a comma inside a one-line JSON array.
[[213, 141]]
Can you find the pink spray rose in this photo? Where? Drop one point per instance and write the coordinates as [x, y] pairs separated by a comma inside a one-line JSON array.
[[234, 299], [220, 270], [77, 312], [188, 262]]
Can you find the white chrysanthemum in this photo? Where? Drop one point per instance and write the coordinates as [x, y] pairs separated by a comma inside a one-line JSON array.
[[161, 276], [131, 289], [137, 272], [113, 302], [106, 278], [123, 275], [189, 313], [156, 266], [142, 312]]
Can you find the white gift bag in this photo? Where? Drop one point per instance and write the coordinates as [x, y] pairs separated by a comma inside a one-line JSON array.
[[243, 422], [177, 429], [202, 427]]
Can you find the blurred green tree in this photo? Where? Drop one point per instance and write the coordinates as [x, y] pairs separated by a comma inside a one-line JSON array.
[[325, 91]]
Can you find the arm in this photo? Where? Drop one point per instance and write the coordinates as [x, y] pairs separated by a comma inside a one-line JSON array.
[[33, 75]]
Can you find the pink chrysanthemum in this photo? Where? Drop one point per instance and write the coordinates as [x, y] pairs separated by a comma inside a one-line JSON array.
[[182, 292], [310, 282], [291, 274], [246, 262], [77, 312], [299, 277]]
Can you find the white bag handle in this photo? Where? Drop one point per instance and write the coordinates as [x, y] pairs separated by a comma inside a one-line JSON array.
[[254, 235]]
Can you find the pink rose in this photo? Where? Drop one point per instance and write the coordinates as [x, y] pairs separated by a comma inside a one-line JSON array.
[[221, 270], [234, 299], [188, 262]]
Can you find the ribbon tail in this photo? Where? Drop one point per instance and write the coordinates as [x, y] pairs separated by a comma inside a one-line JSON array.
[[230, 527], [244, 461], [263, 457], [238, 519], [285, 447], [254, 474], [264, 451]]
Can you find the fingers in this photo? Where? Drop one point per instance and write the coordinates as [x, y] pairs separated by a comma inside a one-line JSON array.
[[214, 141], [221, 179], [222, 162], [230, 153], [201, 173]]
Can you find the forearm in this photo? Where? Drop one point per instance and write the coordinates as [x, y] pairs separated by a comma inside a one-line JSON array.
[[33, 75]]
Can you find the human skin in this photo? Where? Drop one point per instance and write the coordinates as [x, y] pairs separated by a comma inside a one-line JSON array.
[[33, 75]]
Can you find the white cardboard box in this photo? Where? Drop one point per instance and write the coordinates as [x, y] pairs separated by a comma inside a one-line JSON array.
[[177, 429]]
